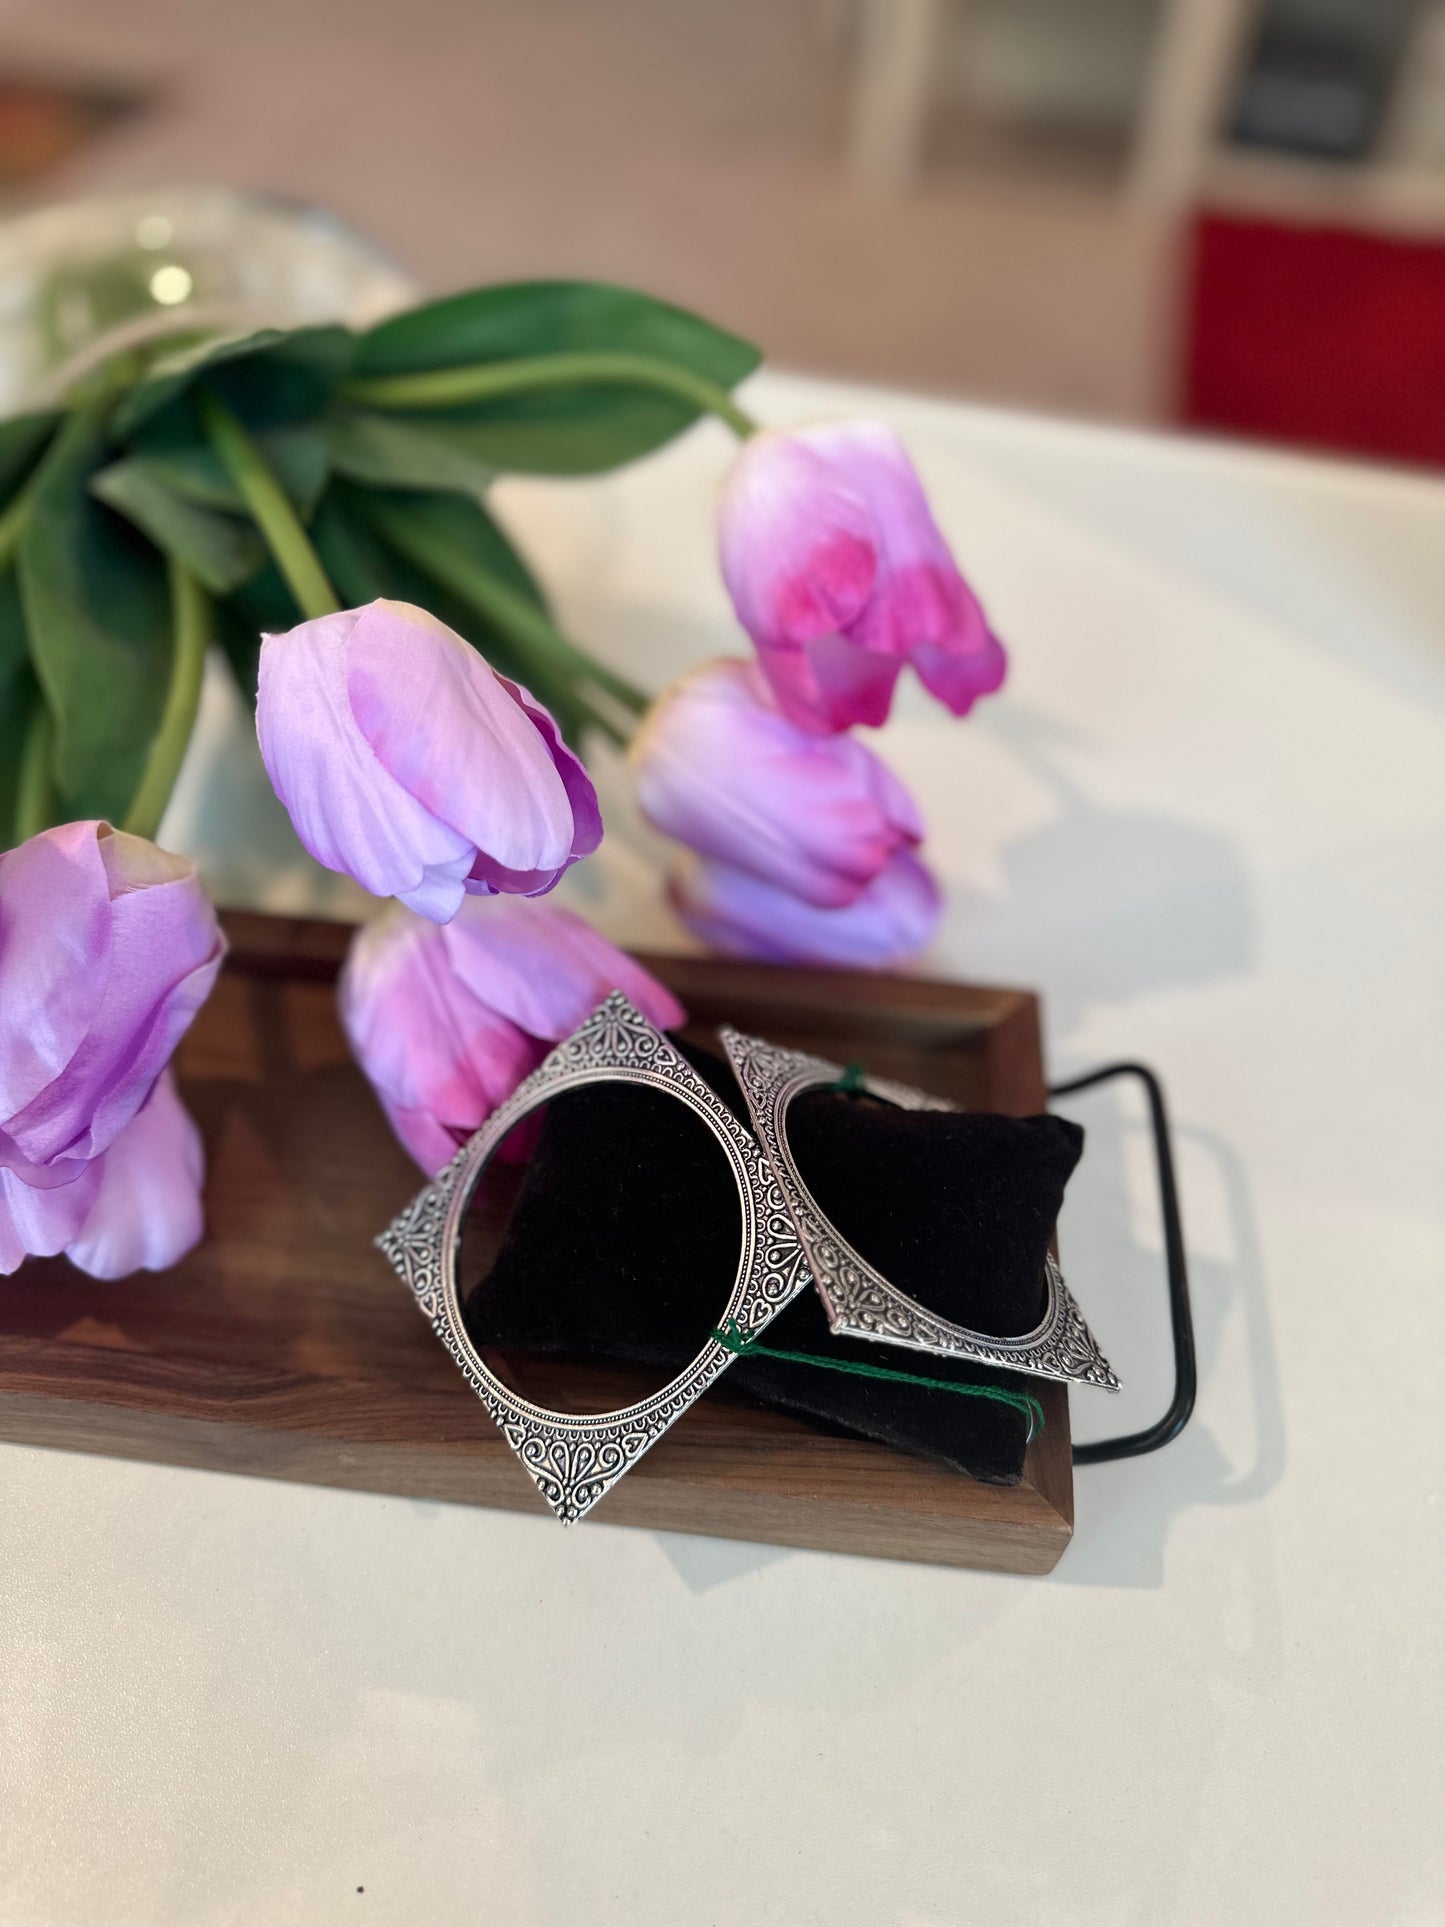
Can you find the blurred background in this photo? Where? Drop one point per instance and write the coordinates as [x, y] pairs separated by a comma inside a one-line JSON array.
[[1223, 213]]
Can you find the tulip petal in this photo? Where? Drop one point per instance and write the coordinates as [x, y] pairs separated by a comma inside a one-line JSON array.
[[39, 1223], [164, 949], [442, 887], [959, 676], [924, 609], [547, 970], [795, 496], [147, 1212], [796, 542], [721, 768], [348, 810], [439, 1060], [458, 739], [832, 685], [735, 914], [447, 1021], [425, 1041], [54, 958], [422, 1135], [578, 785]]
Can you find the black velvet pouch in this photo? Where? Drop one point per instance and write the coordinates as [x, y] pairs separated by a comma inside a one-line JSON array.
[[623, 1244]]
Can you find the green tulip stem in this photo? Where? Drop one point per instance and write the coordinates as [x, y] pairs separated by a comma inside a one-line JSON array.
[[191, 633], [529, 628], [35, 789], [271, 508], [497, 380]]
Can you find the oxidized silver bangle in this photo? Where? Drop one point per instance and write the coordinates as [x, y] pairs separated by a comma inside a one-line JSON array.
[[859, 1300], [574, 1459]]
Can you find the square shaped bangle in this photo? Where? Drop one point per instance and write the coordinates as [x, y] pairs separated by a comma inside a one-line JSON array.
[[859, 1300], [574, 1459]]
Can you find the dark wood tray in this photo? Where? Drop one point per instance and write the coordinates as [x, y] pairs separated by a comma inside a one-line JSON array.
[[286, 1347]]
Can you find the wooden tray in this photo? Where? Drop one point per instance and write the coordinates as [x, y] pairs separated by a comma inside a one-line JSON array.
[[286, 1347]]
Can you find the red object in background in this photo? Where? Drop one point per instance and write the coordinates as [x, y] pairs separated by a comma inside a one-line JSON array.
[[42, 123], [1321, 336]]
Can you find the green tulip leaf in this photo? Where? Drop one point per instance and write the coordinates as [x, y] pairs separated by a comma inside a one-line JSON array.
[[176, 447], [97, 609], [401, 451], [573, 431], [272, 377], [526, 318], [350, 535], [456, 523], [220, 551], [14, 645], [22, 438]]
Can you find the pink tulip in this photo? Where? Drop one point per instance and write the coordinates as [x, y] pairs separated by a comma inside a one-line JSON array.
[[721, 768], [136, 1207], [407, 763], [885, 925], [108, 947], [447, 1022], [839, 574]]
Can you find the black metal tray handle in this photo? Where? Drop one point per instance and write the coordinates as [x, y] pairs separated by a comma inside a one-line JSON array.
[[1181, 1320]]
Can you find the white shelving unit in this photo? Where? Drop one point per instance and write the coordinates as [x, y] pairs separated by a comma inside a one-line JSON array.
[[1176, 63]]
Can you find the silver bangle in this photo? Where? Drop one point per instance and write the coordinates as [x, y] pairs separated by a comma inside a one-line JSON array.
[[859, 1300], [574, 1459]]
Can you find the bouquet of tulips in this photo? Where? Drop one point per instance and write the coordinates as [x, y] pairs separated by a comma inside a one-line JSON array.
[[313, 502]]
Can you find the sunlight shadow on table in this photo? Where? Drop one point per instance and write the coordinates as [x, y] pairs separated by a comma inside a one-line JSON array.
[[1102, 904], [1125, 1508]]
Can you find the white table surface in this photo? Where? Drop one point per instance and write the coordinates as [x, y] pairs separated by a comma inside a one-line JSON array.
[[1205, 819]]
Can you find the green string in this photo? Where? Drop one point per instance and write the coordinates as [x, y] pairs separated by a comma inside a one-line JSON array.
[[732, 1338], [854, 1081]]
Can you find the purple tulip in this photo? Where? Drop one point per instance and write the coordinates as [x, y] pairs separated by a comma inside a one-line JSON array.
[[884, 926], [136, 1207], [721, 768], [407, 763], [108, 947], [839, 574], [447, 1022], [36, 1223]]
